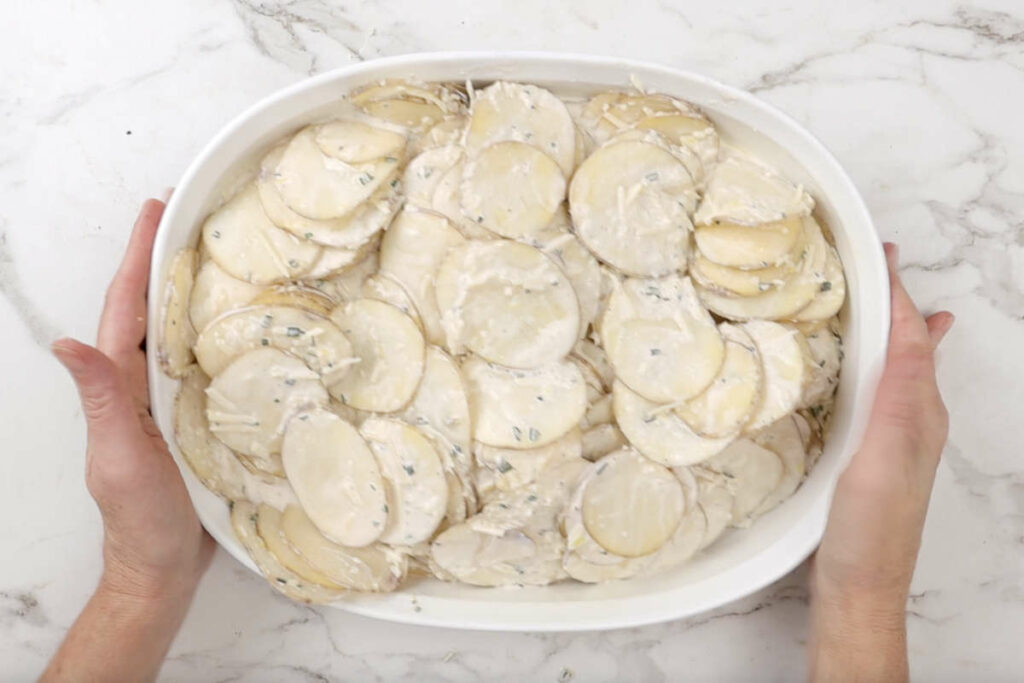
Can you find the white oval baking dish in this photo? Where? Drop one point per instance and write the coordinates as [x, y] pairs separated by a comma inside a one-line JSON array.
[[742, 561]]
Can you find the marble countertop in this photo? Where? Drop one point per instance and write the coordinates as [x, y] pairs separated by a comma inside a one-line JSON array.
[[104, 104]]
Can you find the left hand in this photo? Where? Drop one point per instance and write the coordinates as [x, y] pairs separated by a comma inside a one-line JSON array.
[[154, 547]]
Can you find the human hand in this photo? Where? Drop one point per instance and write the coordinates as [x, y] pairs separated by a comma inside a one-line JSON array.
[[154, 547], [860, 576]]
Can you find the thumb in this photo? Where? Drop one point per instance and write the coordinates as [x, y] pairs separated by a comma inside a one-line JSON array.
[[107, 406]]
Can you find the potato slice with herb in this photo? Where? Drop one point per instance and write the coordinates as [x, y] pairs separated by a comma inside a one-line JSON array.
[[355, 142], [754, 472], [321, 187], [601, 439], [440, 408], [658, 432], [506, 302], [268, 525], [414, 106], [423, 174], [335, 477], [390, 350], [523, 408], [244, 518], [385, 288], [370, 569], [251, 400], [627, 203], [417, 491], [174, 349], [660, 339], [311, 338], [247, 245], [783, 438], [503, 469], [733, 395], [744, 190], [749, 246], [782, 355], [300, 296], [447, 201], [505, 111], [512, 188], [826, 356], [738, 282], [215, 292], [831, 291]]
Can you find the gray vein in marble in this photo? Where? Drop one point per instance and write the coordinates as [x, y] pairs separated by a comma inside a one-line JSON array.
[[24, 606], [39, 327]]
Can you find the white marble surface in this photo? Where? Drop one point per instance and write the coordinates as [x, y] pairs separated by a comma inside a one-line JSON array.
[[104, 103]]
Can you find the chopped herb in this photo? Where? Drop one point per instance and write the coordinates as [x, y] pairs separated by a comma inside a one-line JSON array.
[[479, 219], [517, 433], [531, 498], [309, 235], [365, 179], [280, 580], [264, 342], [409, 469], [534, 434], [215, 234], [655, 352], [504, 465], [292, 263], [277, 400], [301, 417], [394, 183], [290, 381], [826, 286], [267, 319], [540, 398], [390, 160], [503, 506], [653, 176], [294, 332], [602, 467], [386, 507]]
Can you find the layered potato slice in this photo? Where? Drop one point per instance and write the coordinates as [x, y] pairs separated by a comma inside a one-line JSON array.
[[371, 569], [250, 401], [743, 190], [354, 141], [247, 245], [447, 201], [783, 438], [416, 106], [657, 431], [268, 526], [174, 348], [629, 516], [414, 479], [423, 174], [831, 291], [350, 230], [749, 246], [601, 439], [505, 111], [244, 518], [413, 249], [523, 408], [506, 302], [306, 335], [734, 394], [660, 339], [515, 539], [215, 292], [322, 187], [783, 353], [512, 189], [627, 203], [383, 287], [504, 469], [753, 471], [825, 357], [390, 349], [336, 477], [294, 295]]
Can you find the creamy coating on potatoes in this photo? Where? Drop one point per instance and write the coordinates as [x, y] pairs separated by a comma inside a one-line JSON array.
[[503, 337]]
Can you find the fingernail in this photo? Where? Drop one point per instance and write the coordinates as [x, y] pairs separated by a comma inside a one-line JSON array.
[[166, 194], [892, 254]]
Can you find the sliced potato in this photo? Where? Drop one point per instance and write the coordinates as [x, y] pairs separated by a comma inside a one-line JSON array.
[[601, 439], [660, 339], [515, 539], [506, 302], [523, 408], [738, 282], [579, 265], [390, 350], [356, 142], [415, 106], [247, 245], [733, 395], [215, 292], [335, 260], [503, 469], [268, 525], [754, 472], [599, 411], [445, 133], [743, 190], [413, 249], [385, 288], [628, 205], [597, 359], [447, 201], [363, 569], [348, 284], [417, 491], [609, 113], [321, 187], [658, 432], [244, 518], [826, 355], [831, 291], [216, 465], [506, 111], [350, 231], [783, 438], [423, 174], [512, 188], [251, 400], [174, 349], [631, 506], [789, 297], [311, 338], [440, 408], [716, 501], [335, 477], [785, 371], [749, 246], [294, 295]]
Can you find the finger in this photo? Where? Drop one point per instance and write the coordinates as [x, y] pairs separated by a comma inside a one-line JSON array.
[[108, 407], [938, 325], [908, 327], [123, 322]]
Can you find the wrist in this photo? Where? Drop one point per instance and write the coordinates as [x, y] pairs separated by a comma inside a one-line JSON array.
[[858, 636], [146, 590]]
